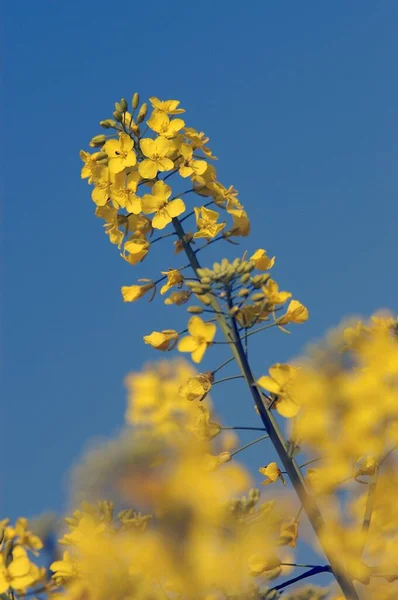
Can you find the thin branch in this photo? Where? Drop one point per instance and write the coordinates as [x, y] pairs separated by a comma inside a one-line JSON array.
[[310, 573], [260, 439], [370, 501], [224, 364], [243, 428], [228, 379], [231, 333]]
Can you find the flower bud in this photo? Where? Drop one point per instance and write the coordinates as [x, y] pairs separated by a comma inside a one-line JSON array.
[[108, 124], [258, 297], [195, 310], [118, 107], [142, 113], [243, 293], [205, 298], [135, 100], [245, 278], [123, 104], [98, 140], [118, 115]]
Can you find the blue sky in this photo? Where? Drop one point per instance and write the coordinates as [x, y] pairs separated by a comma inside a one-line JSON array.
[[299, 100]]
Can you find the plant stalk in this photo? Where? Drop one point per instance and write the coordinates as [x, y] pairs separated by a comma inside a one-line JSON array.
[[231, 334]]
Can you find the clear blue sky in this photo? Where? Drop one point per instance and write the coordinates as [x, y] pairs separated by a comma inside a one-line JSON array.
[[300, 102]]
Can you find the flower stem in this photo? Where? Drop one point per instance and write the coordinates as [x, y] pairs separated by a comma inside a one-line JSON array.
[[231, 333], [260, 439], [310, 573], [228, 379]]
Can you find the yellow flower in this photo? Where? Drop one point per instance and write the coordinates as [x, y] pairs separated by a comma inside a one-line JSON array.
[[178, 298], [279, 383], [121, 153], [206, 222], [132, 293], [137, 248], [91, 166], [262, 261], [162, 340], [20, 573], [259, 563], [161, 124], [64, 569], [198, 141], [203, 428], [174, 278], [123, 193], [366, 465], [110, 215], [24, 536], [157, 202], [296, 313], [156, 152], [241, 223], [201, 336], [189, 165], [197, 388], [272, 293], [272, 473], [102, 186], [167, 106], [289, 533], [211, 462]]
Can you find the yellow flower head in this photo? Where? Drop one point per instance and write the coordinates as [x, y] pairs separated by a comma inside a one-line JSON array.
[[198, 141], [174, 278], [156, 160], [241, 223], [260, 563], [201, 336], [20, 573], [121, 153], [162, 340], [261, 261], [168, 106], [161, 124], [272, 473], [272, 293], [279, 381], [137, 248], [289, 533], [157, 202], [132, 293], [188, 165], [91, 166], [64, 569], [123, 193], [206, 222], [197, 388], [296, 313], [103, 184], [203, 428]]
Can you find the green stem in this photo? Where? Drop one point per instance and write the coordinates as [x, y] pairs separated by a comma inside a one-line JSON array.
[[260, 439], [306, 498], [243, 428], [369, 509], [310, 573], [228, 379]]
